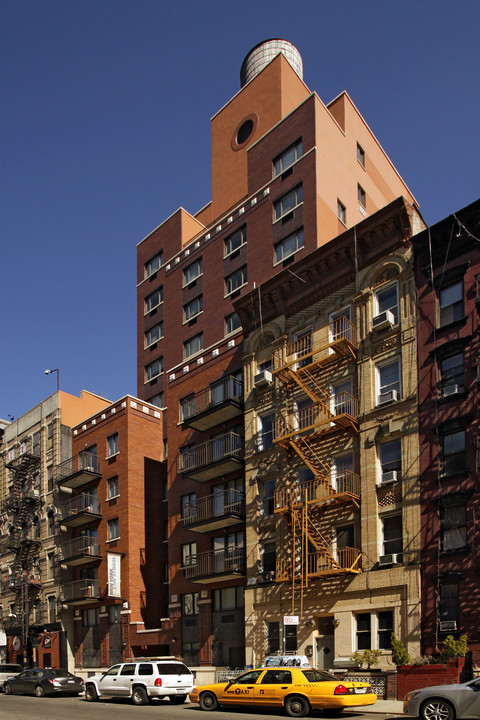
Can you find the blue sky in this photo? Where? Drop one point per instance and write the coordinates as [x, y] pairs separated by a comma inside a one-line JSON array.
[[105, 130]]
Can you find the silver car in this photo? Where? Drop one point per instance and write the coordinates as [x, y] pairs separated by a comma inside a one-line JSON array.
[[444, 702]]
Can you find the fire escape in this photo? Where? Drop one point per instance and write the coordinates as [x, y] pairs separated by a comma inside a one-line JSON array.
[[22, 504], [308, 364]]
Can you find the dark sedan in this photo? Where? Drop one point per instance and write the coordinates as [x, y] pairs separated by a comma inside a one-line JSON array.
[[50, 681]]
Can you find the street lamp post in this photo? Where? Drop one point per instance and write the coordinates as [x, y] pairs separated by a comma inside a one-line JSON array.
[[55, 370]]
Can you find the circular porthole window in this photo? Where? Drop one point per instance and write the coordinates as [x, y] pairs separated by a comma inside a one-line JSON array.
[[244, 131]]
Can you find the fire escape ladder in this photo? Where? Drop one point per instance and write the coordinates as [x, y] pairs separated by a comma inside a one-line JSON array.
[[307, 451]]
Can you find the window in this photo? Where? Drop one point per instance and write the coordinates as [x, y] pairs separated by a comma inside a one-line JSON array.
[[153, 300], [112, 490], [50, 478], [189, 554], [362, 196], [388, 381], [269, 558], [232, 323], [291, 638], [385, 629], [153, 369], [341, 212], [360, 155], [228, 598], [287, 157], [273, 637], [188, 508], [454, 453], [193, 308], [187, 407], [267, 496], [50, 566], [451, 303], [113, 529], [36, 528], [303, 347], [153, 264], [49, 436], [265, 366], [449, 601], [287, 202], [453, 524], [265, 431], [342, 397], [345, 539], [452, 375], [192, 272], [235, 241], [190, 604], [364, 631], [342, 467], [289, 246], [390, 456], [192, 346], [387, 299], [52, 609], [157, 400], [392, 534], [235, 280], [154, 334], [112, 445], [50, 523]]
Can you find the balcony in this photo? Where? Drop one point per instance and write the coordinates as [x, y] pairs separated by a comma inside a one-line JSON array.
[[344, 485], [214, 405], [212, 459], [319, 564], [81, 592], [215, 511], [80, 510], [83, 550], [216, 565], [78, 470], [25, 458], [318, 418]]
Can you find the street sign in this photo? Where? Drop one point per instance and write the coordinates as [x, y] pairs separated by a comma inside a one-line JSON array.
[[290, 620]]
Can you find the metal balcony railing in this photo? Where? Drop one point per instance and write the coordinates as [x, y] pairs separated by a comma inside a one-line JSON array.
[[81, 546], [311, 417], [84, 503], [220, 448], [229, 388], [216, 562], [339, 336], [85, 463], [214, 506], [341, 483], [80, 590]]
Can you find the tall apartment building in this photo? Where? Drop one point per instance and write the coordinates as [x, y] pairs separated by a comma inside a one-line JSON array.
[[111, 532], [447, 267], [35, 627], [289, 173], [331, 448]]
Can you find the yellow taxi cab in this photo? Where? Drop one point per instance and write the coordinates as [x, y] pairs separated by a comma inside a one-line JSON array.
[[297, 690]]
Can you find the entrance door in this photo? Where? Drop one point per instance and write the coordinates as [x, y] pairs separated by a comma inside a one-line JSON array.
[[325, 652]]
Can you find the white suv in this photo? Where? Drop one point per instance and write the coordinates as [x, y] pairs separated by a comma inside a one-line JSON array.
[[142, 679]]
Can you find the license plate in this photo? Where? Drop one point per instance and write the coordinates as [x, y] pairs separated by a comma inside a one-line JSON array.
[[180, 690], [360, 690], [71, 681]]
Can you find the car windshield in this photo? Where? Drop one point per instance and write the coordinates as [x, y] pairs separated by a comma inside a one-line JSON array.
[[318, 676]]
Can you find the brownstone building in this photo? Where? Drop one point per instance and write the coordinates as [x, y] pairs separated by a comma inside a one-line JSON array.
[[447, 267], [289, 173]]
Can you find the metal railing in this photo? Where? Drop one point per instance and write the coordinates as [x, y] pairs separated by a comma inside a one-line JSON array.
[[345, 482], [229, 388], [84, 545], [80, 503], [311, 348], [85, 460], [315, 414], [216, 562], [79, 589], [214, 506], [220, 448]]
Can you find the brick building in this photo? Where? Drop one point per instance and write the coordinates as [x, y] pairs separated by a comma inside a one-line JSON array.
[[289, 173], [447, 268]]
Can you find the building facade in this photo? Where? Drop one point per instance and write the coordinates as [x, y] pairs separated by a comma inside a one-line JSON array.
[[447, 267], [289, 173], [36, 629], [331, 449]]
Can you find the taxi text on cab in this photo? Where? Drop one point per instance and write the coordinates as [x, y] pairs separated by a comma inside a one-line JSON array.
[[297, 690]]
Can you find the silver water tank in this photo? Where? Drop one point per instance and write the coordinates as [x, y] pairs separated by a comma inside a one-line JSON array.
[[263, 53]]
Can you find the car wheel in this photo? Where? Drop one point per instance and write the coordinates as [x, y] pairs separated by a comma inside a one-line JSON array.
[[177, 699], [90, 693], [39, 691], [139, 696], [437, 709], [7, 689], [208, 701], [296, 706]]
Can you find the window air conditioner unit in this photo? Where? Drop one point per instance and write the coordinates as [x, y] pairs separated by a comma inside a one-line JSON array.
[[390, 559], [383, 321], [449, 390], [447, 625], [389, 477], [387, 397], [263, 378]]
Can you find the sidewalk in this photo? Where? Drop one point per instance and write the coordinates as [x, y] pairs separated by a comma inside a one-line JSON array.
[[392, 707]]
